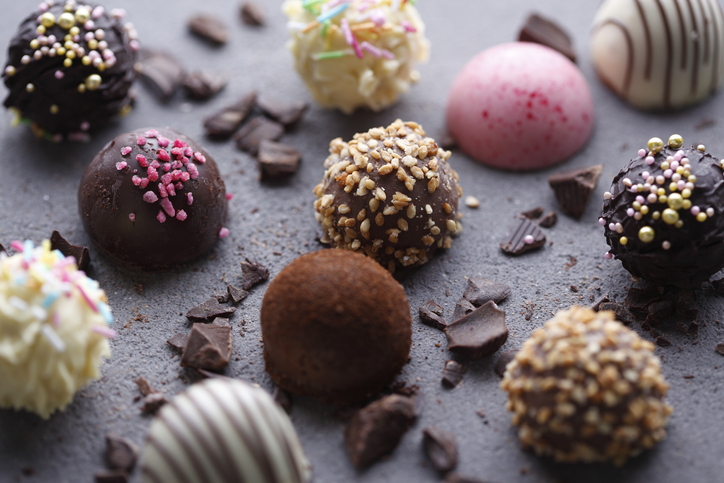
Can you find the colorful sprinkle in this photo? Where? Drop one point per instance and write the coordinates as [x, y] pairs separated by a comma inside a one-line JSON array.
[[224, 232]]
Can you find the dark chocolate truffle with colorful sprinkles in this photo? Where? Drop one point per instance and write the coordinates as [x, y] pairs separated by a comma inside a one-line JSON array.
[[153, 198], [664, 214], [69, 69]]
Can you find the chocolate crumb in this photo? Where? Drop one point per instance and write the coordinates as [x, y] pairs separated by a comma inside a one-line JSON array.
[[523, 236], [277, 160], [573, 189], [572, 261], [574, 289], [462, 308], [208, 347], [209, 310], [529, 310], [286, 113], [478, 334], [111, 476], [533, 214], [452, 374], [251, 135], [719, 349], [481, 291], [441, 448], [283, 398], [548, 220], [144, 386], [153, 402], [252, 273], [236, 294], [202, 85], [178, 341], [596, 306], [209, 27], [546, 32], [663, 342], [251, 14], [502, 363], [689, 376], [81, 254], [227, 121], [622, 315], [121, 454], [431, 314], [161, 73]]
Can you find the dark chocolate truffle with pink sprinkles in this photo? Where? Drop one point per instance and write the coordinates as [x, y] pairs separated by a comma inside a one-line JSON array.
[[153, 198]]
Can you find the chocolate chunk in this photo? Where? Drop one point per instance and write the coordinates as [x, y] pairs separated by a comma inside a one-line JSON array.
[[661, 308], [121, 454], [462, 308], [523, 236], [81, 254], [251, 14], [452, 374], [153, 402], [548, 220], [144, 386], [377, 429], [209, 347], [719, 349], [637, 300], [441, 448], [161, 72], [236, 294], [178, 341], [546, 32], [286, 113], [596, 306], [457, 478], [250, 136], [208, 310], [227, 121], [111, 476], [533, 214], [252, 273], [663, 342], [573, 188], [277, 160], [209, 27], [502, 363], [481, 291], [478, 334], [622, 315], [283, 398], [202, 85], [431, 314], [222, 297]]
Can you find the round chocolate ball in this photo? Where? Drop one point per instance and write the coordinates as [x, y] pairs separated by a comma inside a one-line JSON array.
[[336, 327], [664, 214], [389, 193], [152, 198], [69, 68], [584, 388]]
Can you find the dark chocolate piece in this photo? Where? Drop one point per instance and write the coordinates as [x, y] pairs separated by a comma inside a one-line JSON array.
[[523, 236], [431, 314], [111, 476], [251, 14], [161, 72], [662, 341], [202, 85], [441, 448], [573, 189], [622, 315], [178, 341], [144, 386], [638, 300], [121, 454], [277, 160], [719, 349], [227, 121], [252, 273], [153, 402], [209, 27], [236, 294], [377, 429], [283, 398], [478, 334], [718, 285], [223, 298], [2, 248], [544, 31], [502, 363], [209, 347], [81, 254], [533, 214], [548, 220], [251, 135], [462, 308], [596, 306], [209, 310], [286, 113], [453, 374], [481, 291]]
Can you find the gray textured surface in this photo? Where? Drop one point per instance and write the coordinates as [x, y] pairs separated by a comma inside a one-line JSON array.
[[39, 181]]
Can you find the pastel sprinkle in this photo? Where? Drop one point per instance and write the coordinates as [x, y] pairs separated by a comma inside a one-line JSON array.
[[161, 217], [48, 301], [53, 337], [141, 141], [229, 196], [142, 160], [105, 311], [190, 198], [224, 232], [333, 12], [104, 331], [150, 197], [334, 54], [125, 150], [87, 298], [163, 142], [168, 207], [59, 74], [642, 153], [181, 215], [121, 165], [408, 26], [132, 217], [528, 239]]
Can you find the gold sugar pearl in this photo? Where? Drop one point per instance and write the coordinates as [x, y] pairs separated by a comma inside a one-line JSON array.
[[54, 109], [93, 44], [646, 234], [30, 87], [656, 215], [686, 193], [644, 210], [636, 205], [665, 165], [679, 224], [673, 187], [82, 15], [10, 70], [60, 51], [66, 20], [692, 179], [675, 201], [34, 44], [93, 82], [74, 31], [81, 88], [670, 216], [623, 240], [701, 217], [68, 62], [655, 145], [40, 30], [86, 60], [701, 148], [686, 204], [47, 20], [661, 192], [663, 199], [676, 141], [70, 54]]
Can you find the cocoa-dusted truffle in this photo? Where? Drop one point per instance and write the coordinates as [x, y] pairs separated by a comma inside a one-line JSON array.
[[69, 68], [664, 214], [336, 327], [585, 388], [389, 193], [152, 198]]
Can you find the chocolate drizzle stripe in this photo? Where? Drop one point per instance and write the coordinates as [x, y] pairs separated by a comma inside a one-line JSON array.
[[630, 47], [283, 435], [682, 32], [649, 47], [715, 67], [168, 458], [696, 42], [669, 56], [189, 452]]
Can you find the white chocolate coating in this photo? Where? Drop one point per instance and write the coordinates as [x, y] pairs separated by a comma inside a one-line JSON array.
[[659, 54], [349, 82], [223, 431]]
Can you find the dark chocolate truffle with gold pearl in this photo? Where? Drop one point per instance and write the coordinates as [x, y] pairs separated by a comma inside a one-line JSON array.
[[389, 193], [69, 68], [664, 214]]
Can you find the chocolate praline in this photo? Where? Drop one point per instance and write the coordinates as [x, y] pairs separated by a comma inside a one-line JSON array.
[[152, 198], [671, 237], [69, 68]]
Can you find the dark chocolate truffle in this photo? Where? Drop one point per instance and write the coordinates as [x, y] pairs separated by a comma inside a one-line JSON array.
[[389, 193], [664, 214], [152, 198], [336, 327], [69, 68], [585, 388]]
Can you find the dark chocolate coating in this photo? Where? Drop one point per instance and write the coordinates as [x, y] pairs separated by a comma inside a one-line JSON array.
[[336, 327], [697, 248], [77, 111], [107, 196]]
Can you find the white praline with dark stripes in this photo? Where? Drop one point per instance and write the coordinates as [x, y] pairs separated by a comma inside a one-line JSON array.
[[659, 54], [223, 431]]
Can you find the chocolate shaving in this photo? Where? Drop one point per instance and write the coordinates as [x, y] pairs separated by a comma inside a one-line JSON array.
[[515, 243], [202, 85], [596, 306], [161, 73], [121, 454], [144, 386], [502, 363], [111, 476], [209, 27], [481, 291], [208, 347], [663, 342], [533, 214], [431, 314], [453, 374], [178, 341], [546, 32], [573, 189], [283, 398], [251, 135], [252, 273], [236, 294], [227, 121], [209, 310], [81, 254], [277, 160], [462, 308], [719, 349], [286, 113], [478, 334], [153, 402], [441, 448], [548, 220], [251, 14]]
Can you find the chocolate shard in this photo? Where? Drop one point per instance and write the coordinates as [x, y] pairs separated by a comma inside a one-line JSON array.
[[277, 160], [121, 454], [222, 297], [202, 85], [153, 402], [453, 374], [573, 189], [457, 478], [478, 334], [209, 27], [160, 72], [81, 254], [250, 136], [462, 308], [441, 448], [227, 121], [377, 429], [111, 476], [286, 113], [622, 315], [523, 236], [431, 314], [502, 363], [533, 214], [548, 220], [481, 291], [544, 31], [283, 398], [144, 386], [209, 347], [178, 341], [209, 310], [252, 273], [662, 341], [596, 306], [236, 294], [637, 300], [719, 349], [251, 14]]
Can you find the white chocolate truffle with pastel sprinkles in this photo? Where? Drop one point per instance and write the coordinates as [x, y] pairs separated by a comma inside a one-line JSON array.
[[223, 431], [53, 329], [356, 53], [584, 388]]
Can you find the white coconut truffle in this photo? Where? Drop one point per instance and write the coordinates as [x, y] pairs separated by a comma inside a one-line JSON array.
[[356, 53]]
